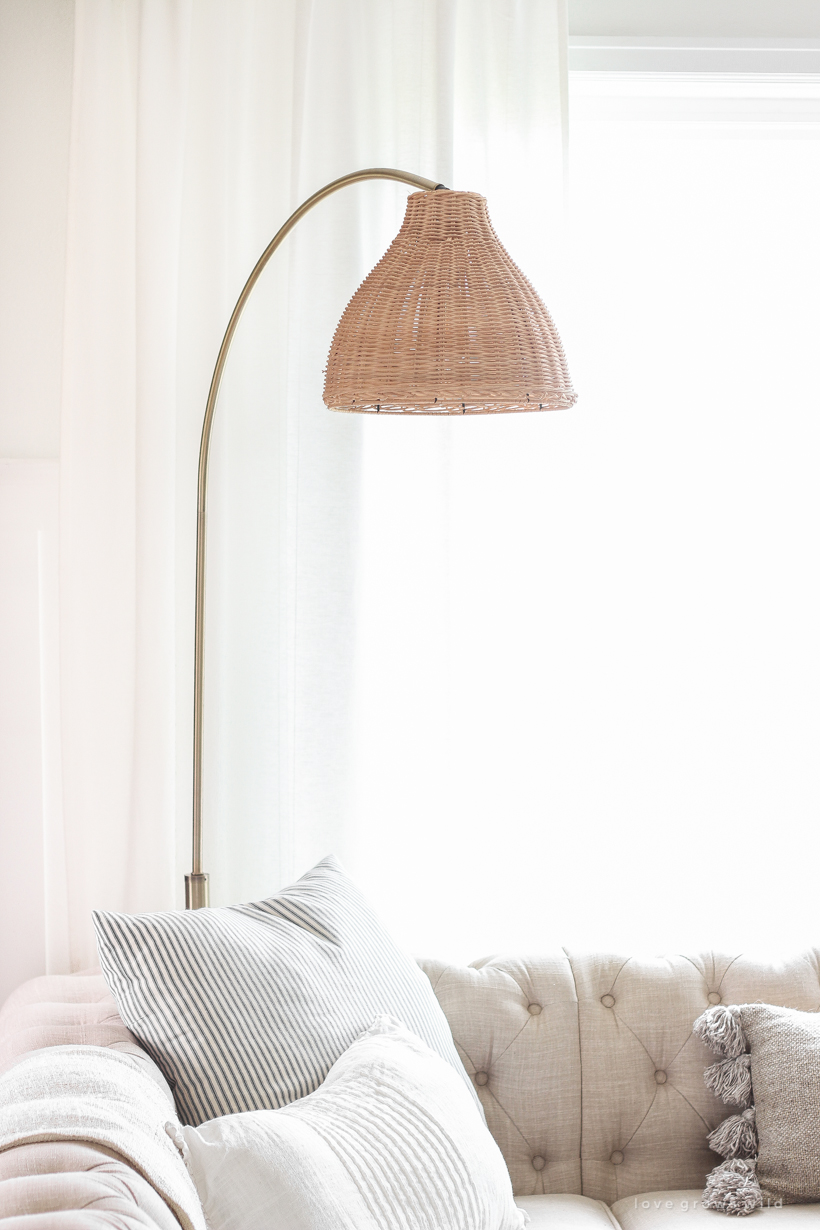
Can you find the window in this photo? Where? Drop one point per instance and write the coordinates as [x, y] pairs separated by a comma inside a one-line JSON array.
[[590, 705]]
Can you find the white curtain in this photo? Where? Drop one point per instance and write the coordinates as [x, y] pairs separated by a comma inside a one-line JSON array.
[[589, 681], [196, 129], [118, 449], [536, 679]]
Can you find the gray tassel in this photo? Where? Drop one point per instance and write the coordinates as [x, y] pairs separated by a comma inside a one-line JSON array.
[[731, 1080], [721, 1030], [735, 1136], [732, 1188]]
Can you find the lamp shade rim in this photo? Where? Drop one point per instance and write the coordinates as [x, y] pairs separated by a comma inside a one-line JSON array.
[[557, 400]]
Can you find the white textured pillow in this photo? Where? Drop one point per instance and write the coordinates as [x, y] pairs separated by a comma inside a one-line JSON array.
[[247, 1007], [391, 1141]]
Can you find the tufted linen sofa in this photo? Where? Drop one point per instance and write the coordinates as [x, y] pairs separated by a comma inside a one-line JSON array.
[[586, 1065]]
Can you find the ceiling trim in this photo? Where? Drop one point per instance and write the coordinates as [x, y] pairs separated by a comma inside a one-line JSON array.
[[692, 54], [711, 19]]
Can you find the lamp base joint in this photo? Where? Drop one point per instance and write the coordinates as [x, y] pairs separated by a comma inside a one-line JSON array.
[[196, 891]]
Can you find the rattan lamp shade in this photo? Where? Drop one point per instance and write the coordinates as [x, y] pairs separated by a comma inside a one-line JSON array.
[[446, 323]]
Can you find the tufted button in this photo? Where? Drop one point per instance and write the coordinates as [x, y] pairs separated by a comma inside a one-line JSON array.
[[534, 1009], [538, 1163], [714, 997], [660, 1077], [608, 1001], [481, 1078], [616, 1158]]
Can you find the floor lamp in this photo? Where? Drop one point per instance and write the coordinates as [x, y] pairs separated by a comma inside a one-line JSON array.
[[445, 323]]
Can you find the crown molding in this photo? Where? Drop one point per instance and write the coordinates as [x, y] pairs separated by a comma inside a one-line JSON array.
[[664, 54]]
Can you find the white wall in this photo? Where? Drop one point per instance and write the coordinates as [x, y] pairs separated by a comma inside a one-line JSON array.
[[29, 704], [36, 39], [35, 113]]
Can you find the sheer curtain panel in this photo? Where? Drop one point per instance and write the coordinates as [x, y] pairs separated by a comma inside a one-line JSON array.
[[589, 680], [196, 129], [117, 460]]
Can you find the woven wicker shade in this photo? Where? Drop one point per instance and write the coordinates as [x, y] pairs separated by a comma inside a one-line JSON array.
[[446, 323]]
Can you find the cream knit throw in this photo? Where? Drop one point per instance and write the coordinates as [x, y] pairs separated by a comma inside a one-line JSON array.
[[93, 1094]]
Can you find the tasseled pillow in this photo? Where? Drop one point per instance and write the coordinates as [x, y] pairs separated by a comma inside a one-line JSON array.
[[769, 1068], [732, 1187]]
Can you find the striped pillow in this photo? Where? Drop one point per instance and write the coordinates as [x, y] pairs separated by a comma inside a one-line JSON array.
[[247, 1007], [391, 1141]]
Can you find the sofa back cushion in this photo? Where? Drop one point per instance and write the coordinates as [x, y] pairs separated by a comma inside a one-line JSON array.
[[575, 1093], [586, 1065], [515, 1026]]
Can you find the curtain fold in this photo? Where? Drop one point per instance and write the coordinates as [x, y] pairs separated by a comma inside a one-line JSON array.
[[97, 480], [196, 129], [451, 800], [117, 473]]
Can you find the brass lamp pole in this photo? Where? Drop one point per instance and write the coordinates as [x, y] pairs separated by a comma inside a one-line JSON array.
[[446, 323], [196, 884]]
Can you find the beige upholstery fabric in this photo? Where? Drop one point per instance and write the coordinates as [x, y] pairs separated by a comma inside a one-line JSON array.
[[687, 1213], [613, 1048], [515, 1025], [646, 1110], [638, 1134], [566, 1213]]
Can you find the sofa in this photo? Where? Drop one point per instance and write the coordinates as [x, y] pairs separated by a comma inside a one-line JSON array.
[[586, 1066]]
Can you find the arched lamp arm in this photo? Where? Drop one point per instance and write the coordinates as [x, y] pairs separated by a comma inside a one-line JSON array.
[[196, 884]]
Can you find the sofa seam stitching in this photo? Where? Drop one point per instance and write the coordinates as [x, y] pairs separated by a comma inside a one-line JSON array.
[[580, 1072], [640, 1043], [620, 971], [691, 1107], [610, 1215], [511, 1042], [682, 1047], [627, 1143], [728, 967]]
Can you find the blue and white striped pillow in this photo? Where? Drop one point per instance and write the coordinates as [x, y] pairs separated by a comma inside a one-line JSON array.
[[247, 1007]]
